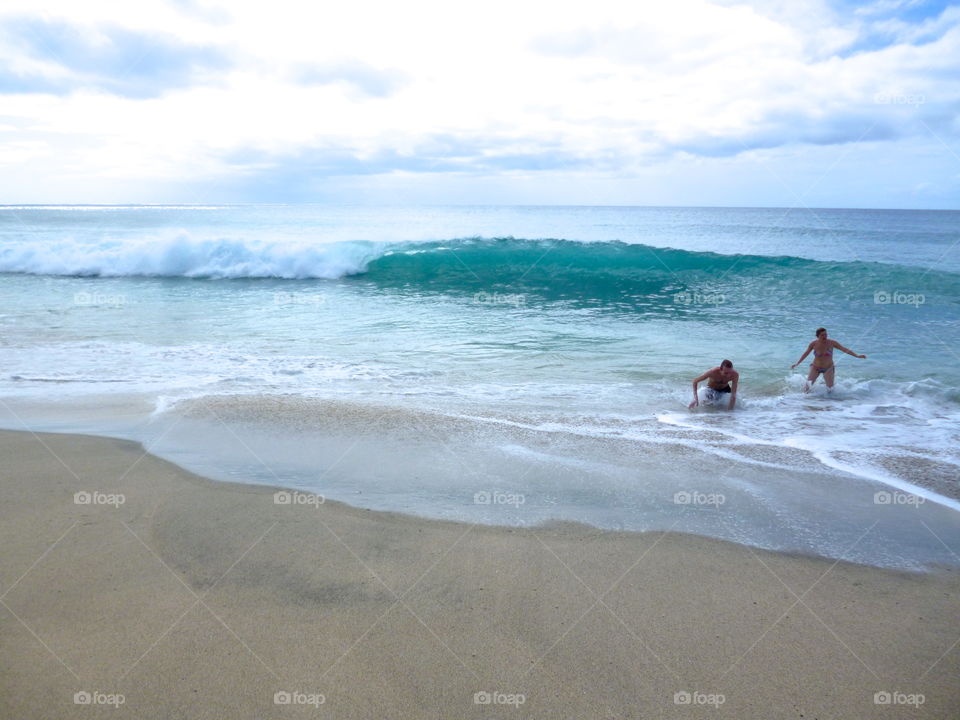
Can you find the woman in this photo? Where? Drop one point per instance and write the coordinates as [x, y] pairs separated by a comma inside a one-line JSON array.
[[822, 363]]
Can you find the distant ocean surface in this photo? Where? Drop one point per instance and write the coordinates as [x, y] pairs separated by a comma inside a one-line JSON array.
[[512, 365]]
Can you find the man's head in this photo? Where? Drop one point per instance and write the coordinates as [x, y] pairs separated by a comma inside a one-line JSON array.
[[726, 365]]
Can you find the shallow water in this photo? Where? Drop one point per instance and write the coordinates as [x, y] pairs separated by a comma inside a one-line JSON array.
[[409, 358]]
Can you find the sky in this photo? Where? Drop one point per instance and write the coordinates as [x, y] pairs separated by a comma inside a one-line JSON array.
[[788, 103]]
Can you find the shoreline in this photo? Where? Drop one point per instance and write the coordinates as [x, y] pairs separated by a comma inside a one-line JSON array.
[[803, 511], [198, 597]]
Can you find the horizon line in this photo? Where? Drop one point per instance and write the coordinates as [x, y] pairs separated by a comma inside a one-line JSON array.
[[438, 205]]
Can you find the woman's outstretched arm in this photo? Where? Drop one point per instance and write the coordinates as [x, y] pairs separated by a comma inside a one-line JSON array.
[[806, 352], [838, 346]]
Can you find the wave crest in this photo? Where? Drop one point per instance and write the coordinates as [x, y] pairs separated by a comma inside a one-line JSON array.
[[610, 272], [184, 256]]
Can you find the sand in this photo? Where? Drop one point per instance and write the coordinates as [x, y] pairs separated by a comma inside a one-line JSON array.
[[200, 599]]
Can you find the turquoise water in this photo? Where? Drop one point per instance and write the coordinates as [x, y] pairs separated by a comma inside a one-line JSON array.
[[407, 358]]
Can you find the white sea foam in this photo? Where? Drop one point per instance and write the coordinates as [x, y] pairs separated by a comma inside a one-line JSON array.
[[852, 430], [184, 255]]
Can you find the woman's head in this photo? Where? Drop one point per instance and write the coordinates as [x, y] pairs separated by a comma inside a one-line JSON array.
[[821, 332]]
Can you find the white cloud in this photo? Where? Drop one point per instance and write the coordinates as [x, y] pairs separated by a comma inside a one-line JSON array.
[[624, 87]]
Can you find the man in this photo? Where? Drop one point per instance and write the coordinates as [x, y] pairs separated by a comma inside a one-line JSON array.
[[721, 379]]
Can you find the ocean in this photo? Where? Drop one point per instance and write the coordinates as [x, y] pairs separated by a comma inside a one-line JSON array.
[[512, 365]]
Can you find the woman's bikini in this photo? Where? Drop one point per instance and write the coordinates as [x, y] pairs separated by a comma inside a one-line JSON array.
[[826, 353]]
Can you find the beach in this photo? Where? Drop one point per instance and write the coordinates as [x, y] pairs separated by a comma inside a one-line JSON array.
[[592, 361], [161, 594]]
